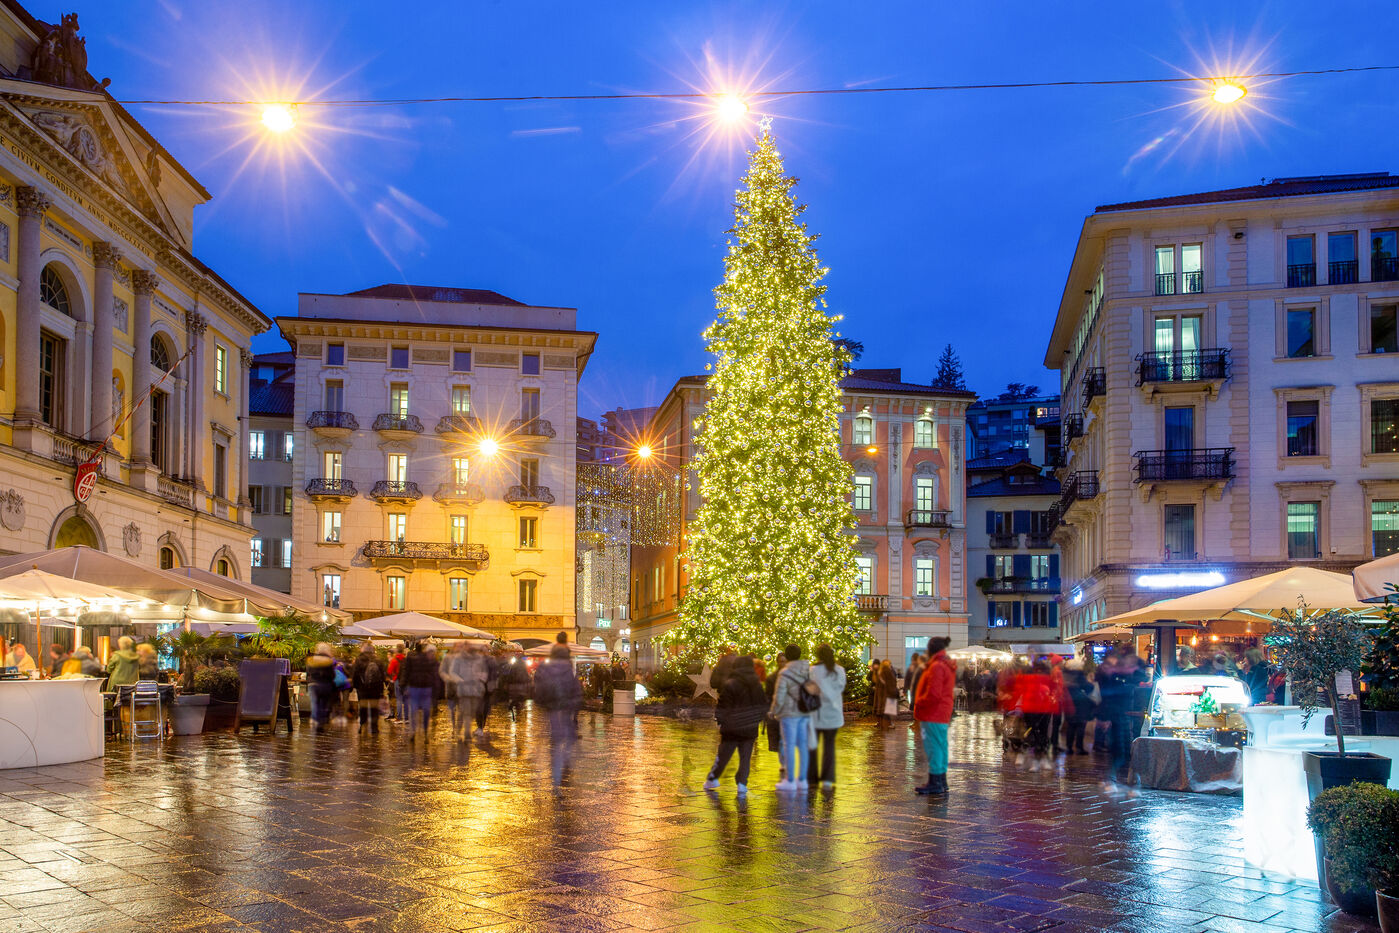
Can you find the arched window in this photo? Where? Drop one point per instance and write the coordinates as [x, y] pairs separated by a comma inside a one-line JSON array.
[[222, 568], [923, 435], [160, 355], [74, 531], [864, 430], [53, 292], [598, 643], [168, 560]]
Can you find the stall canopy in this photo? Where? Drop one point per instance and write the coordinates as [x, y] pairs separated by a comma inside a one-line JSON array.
[[360, 631], [417, 625], [978, 653], [1111, 633], [260, 598], [1378, 579], [89, 565], [53, 593], [1260, 599], [576, 652]]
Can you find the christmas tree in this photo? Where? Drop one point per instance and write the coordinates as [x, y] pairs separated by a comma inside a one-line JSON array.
[[771, 555]]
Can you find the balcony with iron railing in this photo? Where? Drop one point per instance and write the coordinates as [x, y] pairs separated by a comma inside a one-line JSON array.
[[538, 495], [1040, 541], [1095, 384], [1343, 272], [1079, 486], [465, 493], [395, 425], [332, 423], [1198, 464], [1384, 269], [531, 429], [326, 488], [1024, 585], [458, 423], [1165, 283], [1183, 366], [928, 518], [872, 602], [393, 490], [1004, 539], [1073, 427], [1301, 275], [441, 553], [1192, 283]]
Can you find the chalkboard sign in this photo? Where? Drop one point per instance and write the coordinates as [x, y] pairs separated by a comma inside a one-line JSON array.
[[1350, 718], [263, 696]]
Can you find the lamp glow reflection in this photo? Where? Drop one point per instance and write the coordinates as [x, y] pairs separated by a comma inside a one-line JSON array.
[[279, 118], [1228, 92]]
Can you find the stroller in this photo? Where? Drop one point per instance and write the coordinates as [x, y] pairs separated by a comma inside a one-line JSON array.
[[1013, 731]]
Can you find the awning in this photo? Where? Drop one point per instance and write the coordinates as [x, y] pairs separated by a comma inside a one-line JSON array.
[[1377, 580]]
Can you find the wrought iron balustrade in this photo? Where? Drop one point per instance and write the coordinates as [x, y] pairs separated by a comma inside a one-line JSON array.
[[395, 489], [1384, 269], [1073, 426], [1095, 383], [522, 493], [458, 423], [1004, 539], [1301, 275], [1192, 283], [1165, 283], [1343, 272], [531, 427], [426, 551], [927, 518], [392, 422], [458, 492], [1199, 463], [341, 420], [1183, 366], [339, 488]]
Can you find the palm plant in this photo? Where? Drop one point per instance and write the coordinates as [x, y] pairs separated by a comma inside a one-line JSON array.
[[292, 636]]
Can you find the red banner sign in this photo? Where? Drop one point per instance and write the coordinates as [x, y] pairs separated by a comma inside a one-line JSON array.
[[86, 479]]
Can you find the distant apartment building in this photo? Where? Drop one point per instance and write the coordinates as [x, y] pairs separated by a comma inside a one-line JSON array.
[[1011, 422], [271, 450], [623, 429], [1230, 387], [905, 443], [436, 438], [1011, 556], [604, 555]]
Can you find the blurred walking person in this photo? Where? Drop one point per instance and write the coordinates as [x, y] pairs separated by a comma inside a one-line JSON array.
[[558, 691], [771, 726], [791, 703], [369, 678], [741, 709], [320, 677], [1034, 698], [466, 672], [829, 678], [1079, 692], [417, 672], [483, 709], [915, 668], [400, 699], [517, 685], [932, 708]]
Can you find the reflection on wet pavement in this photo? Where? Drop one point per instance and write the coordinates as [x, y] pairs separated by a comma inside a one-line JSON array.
[[334, 832]]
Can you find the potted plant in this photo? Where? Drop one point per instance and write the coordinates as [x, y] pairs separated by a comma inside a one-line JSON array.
[[1312, 650], [1381, 713], [221, 684], [1359, 825]]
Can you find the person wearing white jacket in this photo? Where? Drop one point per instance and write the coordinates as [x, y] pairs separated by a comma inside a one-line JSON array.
[[828, 718]]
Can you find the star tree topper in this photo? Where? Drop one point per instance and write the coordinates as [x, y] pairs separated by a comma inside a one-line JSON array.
[[702, 686]]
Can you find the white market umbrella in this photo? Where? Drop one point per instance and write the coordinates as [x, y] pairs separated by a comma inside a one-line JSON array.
[[576, 652], [1377, 580], [360, 631], [418, 625], [979, 653], [1110, 633], [1257, 599], [41, 592]]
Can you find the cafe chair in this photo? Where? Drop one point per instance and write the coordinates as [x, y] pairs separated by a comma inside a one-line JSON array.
[[147, 693]]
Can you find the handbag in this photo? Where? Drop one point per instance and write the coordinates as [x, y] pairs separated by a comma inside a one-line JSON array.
[[808, 697], [341, 681], [891, 707]]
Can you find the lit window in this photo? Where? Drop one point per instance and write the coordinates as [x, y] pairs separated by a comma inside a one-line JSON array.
[[286, 500], [257, 445], [864, 430], [1165, 270], [461, 361], [1384, 426], [51, 378], [529, 364], [256, 552], [334, 464], [53, 292], [866, 583], [223, 569], [334, 395], [528, 532], [398, 468], [288, 445], [220, 370], [529, 404], [221, 471], [330, 527], [925, 493], [458, 529], [923, 435], [1192, 280], [398, 400], [398, 526], [461, 470], [286, 553], [398, 588], [461, 400], [923, 576], [330, 590], [1384, 526], [255, 500], [1303, 525], [168, 560], [864, 493], [456, 594], [527, 589]]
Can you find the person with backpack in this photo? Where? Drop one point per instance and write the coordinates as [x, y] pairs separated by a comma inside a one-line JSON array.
[[417, 673], [741, 708], [826, 721], [932, 708], [794, 699], [320, 678], [369, 678], [558, 691]]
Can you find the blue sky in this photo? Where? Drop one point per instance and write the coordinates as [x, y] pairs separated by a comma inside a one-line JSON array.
[[943, 217]]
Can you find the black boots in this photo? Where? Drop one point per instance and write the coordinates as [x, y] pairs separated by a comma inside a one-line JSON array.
[[936, 786]]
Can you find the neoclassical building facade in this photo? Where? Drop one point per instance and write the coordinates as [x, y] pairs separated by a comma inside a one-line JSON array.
[[436, 439], [123, 358]]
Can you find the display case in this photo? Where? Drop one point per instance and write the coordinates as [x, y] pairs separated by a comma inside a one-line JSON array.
[[1198, 706]]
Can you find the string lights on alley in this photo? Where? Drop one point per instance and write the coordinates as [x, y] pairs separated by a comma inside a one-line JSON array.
[[732, 107]]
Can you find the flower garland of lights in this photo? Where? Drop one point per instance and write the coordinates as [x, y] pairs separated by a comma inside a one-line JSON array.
[[771, 555]]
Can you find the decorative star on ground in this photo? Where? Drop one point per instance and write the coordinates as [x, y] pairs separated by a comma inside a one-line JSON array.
[[702, 686]]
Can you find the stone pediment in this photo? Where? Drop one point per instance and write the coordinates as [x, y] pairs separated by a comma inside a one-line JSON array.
[[103, 149]]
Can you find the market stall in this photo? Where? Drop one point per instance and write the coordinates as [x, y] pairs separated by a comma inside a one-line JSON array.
[[1192, 734]]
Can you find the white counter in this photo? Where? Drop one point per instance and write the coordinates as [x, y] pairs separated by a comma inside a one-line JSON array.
[[1276, 837], [49, 722]]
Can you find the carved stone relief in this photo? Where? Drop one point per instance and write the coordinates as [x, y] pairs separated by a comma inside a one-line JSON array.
[[12, 510], [79, 139], [131, 539]]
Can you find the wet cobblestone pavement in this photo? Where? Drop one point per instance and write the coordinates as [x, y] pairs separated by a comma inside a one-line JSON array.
[[335, 833]]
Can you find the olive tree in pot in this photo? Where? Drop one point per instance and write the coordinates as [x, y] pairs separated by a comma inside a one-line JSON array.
[[1381, 713], [192, 650], [1359, 824]]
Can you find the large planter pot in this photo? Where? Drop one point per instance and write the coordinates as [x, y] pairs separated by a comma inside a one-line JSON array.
[[1326, 770], [1361, 903], [220, 715], [1387, 905], [187, 713]]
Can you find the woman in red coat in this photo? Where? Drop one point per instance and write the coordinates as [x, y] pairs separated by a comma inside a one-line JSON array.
[[932, 707], [1037, 702]]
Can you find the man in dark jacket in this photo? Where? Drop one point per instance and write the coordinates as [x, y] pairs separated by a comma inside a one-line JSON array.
[[368, 677], [724, 669], [417, 672], [742, 707]]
